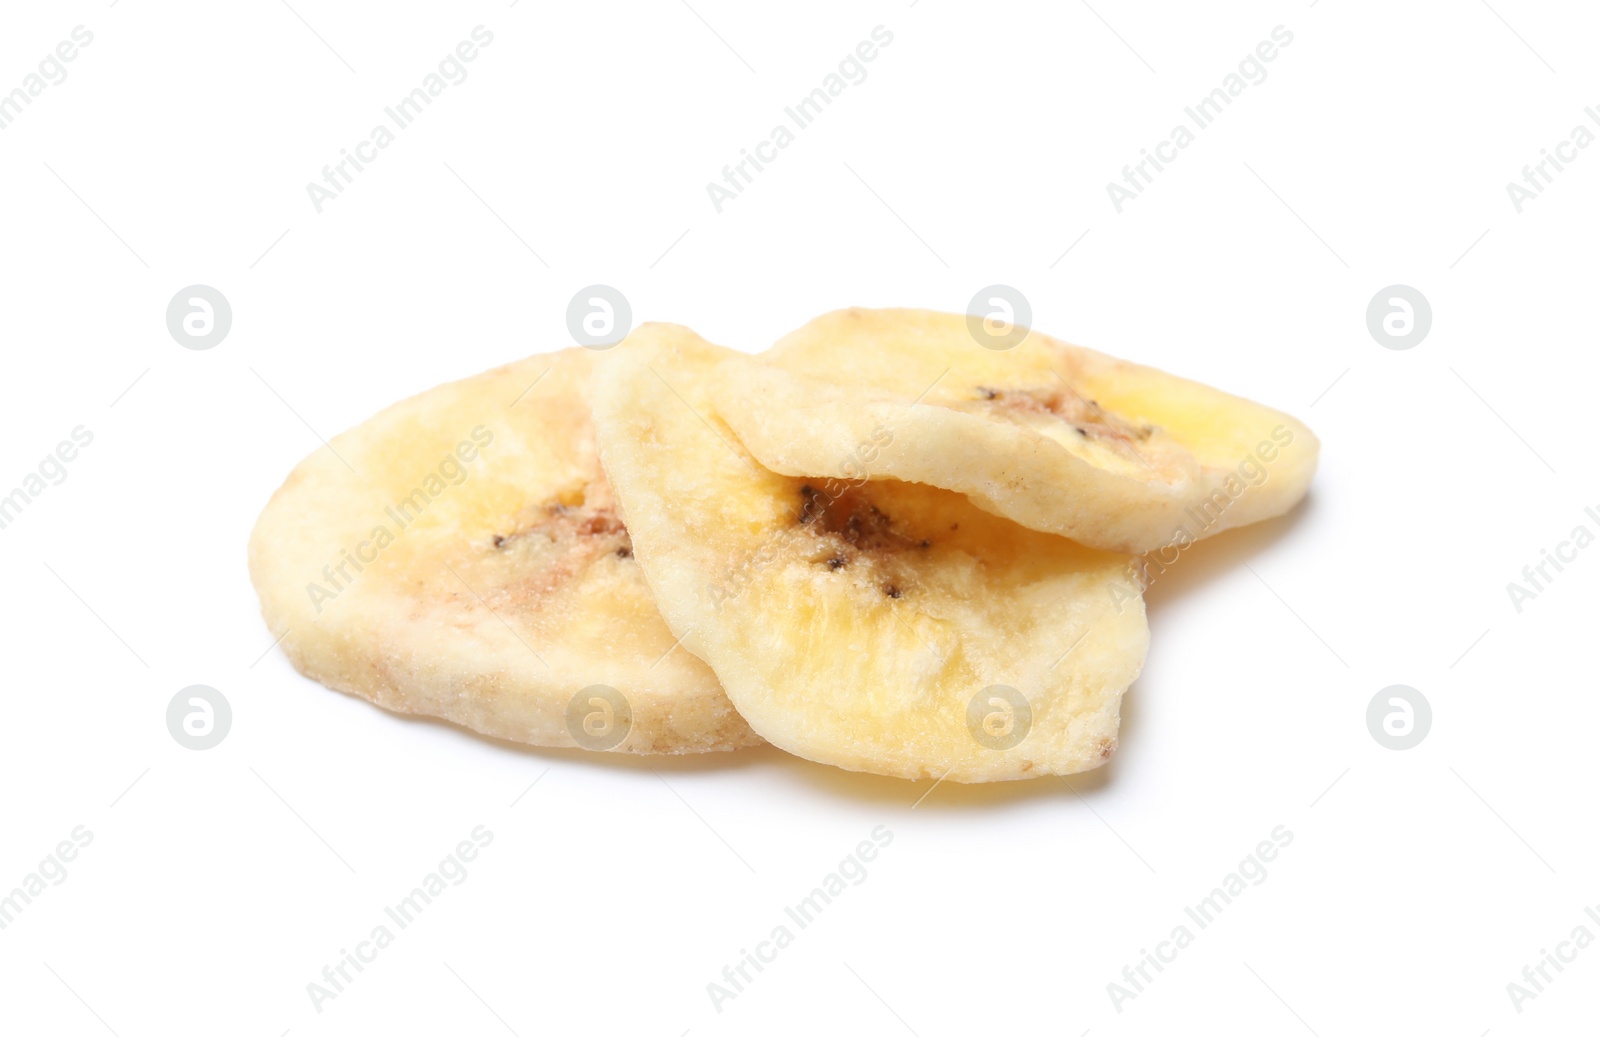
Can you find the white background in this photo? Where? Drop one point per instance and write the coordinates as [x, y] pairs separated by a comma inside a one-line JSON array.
[[220, 883]]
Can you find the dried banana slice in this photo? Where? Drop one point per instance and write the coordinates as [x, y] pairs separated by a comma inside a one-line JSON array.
[[459, 555], [1056, 437], [878, 626]]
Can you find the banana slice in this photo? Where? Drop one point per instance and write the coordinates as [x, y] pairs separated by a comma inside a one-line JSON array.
[[1056, 437], [460, 556], [879, 626]]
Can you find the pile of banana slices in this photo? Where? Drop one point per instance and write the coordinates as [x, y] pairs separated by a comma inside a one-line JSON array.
[[882, 544]]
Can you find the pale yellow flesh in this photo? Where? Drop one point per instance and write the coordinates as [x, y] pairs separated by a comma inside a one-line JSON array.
[[860, 645], [436, 618], [1058, 438]]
